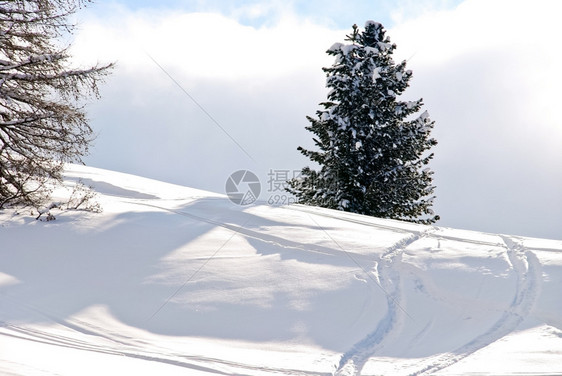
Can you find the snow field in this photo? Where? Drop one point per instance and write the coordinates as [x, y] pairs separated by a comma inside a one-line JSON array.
[[170, 280]]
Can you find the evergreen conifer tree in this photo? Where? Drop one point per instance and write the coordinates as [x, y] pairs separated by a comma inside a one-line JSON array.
[[372, 147]]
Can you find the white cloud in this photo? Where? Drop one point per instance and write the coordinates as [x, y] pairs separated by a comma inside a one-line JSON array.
[[487, 72], [205, 45], [259, 84]]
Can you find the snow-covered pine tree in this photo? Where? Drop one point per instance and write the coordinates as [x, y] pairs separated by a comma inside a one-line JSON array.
[[372, 146]]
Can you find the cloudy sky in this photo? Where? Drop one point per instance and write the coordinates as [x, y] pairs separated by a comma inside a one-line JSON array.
[[205, 88]]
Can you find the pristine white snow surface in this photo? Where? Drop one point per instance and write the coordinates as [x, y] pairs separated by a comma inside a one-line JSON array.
[[170, 280]]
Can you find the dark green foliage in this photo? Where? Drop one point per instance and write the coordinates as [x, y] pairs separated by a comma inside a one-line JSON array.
[[371, 145]]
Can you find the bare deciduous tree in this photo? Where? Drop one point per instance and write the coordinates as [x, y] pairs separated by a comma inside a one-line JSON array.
[[42, 120]]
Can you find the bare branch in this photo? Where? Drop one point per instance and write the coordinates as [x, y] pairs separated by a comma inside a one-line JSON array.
[[42, 118]]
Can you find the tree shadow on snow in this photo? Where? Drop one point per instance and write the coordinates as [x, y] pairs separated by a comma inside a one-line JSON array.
[[206, 269]]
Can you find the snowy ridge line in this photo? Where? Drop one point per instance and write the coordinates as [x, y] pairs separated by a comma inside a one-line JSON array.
[[260, 236], [500, 243], [120, 345], [353, 361], [47, 338], [70, 343], [545, 249], [133, 351], [79, 326], [527, 269], [305, 209]]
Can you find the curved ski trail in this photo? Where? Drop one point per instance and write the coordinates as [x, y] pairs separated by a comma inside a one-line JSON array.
[[353, 361], [527, 269]]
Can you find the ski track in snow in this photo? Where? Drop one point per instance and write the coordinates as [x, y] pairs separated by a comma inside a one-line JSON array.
[[523, 262], [386, 270], [260, 236], [353, 361], [311, 210], [128, 348], [124, 346], [48, 338], [527, 269]]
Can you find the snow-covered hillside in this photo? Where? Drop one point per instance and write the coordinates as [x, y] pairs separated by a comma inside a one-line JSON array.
[[170, 280]]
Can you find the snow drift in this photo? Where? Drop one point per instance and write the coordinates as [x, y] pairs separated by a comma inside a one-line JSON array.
[[170, 280]]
